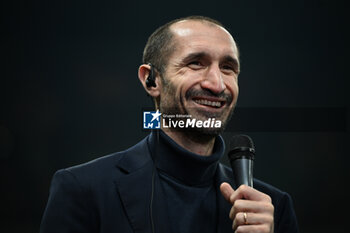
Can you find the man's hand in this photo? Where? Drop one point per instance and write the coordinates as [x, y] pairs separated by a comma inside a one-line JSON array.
[[252, 211]]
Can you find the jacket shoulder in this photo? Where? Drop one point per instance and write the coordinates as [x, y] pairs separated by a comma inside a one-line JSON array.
[[109, 166]]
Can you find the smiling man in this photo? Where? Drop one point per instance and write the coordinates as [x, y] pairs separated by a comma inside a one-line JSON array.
[[198, 77], [172, 180]]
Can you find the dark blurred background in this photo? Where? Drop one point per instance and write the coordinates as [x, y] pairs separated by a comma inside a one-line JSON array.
[[70, 93]]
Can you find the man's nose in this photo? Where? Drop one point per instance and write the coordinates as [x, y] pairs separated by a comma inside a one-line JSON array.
[[213, 80]]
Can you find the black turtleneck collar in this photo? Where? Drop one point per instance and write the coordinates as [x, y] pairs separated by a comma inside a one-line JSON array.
[[187, 167]]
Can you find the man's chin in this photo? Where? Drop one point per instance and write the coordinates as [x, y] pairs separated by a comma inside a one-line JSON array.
[[197, 124], [201, 135], [206, 129], [209, 132], [204, 115]]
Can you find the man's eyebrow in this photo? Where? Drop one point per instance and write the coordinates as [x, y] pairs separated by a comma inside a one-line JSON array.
[[199, 55], [193, 56], [233, 61]]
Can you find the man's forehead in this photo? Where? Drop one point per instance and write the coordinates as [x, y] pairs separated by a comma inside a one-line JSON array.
[[199, 29], [190, 26]]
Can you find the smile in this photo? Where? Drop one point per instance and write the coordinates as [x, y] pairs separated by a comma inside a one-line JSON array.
[[211, 103]]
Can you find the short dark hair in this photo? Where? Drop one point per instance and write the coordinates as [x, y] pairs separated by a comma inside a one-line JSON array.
[[160, 44]]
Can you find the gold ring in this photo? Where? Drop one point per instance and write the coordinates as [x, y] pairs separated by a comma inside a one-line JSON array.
[[245, 216]]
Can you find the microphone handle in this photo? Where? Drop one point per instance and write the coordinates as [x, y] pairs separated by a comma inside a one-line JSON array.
[[242, 171]]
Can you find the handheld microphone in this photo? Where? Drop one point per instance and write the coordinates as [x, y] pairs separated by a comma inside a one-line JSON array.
[[241, 158]]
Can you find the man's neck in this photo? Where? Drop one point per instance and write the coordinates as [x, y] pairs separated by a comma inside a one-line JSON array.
[[201, 146]]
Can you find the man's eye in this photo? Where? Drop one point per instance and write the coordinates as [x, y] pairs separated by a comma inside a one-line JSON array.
[[229, 69], [195, 65]]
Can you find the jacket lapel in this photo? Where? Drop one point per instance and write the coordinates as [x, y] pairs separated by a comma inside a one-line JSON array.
[[160, 208], [135, 193], [135, 190]]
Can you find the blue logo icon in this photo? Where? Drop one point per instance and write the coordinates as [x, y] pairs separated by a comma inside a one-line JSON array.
[[151, 120]]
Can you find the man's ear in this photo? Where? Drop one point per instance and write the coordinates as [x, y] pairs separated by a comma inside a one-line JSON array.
[[144, 73]]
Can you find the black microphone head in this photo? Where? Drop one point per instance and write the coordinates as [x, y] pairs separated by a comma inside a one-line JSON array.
[[241, 146]]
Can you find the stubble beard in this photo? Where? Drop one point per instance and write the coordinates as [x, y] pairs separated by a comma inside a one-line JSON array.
[[170, 106]]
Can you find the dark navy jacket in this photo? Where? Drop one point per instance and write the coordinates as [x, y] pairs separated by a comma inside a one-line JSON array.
[[112, 194]]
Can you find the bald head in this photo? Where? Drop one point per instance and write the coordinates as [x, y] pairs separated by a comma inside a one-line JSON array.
[[161, 44]]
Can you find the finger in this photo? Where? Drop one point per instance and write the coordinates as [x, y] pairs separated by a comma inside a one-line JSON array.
[[249, 193], [251, 206], [263, 228], [251, 219], [226, 191]]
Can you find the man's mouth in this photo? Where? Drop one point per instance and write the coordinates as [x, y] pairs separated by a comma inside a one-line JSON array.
[[210, 103]]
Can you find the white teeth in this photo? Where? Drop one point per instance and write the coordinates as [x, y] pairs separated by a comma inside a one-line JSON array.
[[209, 103]]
